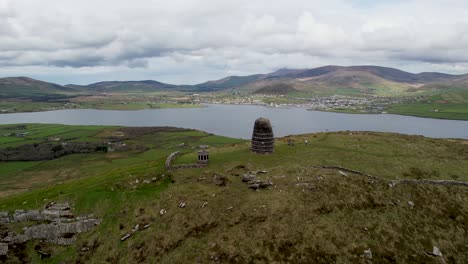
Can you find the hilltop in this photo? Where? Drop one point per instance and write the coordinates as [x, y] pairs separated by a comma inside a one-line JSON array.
[[338, 198]]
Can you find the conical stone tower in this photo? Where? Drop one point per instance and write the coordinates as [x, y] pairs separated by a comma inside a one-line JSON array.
[[262, 138]]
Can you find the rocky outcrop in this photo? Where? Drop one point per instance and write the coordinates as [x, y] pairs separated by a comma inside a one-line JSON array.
[[55, 224]]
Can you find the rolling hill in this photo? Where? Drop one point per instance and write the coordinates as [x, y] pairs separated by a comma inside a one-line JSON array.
[[14, 87], [353, 80], [124, 86], [327, 80]]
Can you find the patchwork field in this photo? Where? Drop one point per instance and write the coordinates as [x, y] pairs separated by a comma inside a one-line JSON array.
[[311, 213]]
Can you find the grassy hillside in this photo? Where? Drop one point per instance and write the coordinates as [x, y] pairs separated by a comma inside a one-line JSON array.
[[30, 88], [310, 214], [125, 86]]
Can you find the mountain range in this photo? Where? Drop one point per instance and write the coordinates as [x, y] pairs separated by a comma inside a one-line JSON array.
[[352, 80]]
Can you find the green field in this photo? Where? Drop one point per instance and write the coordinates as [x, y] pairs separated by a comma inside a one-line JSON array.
[[445, 106], [11, 107], [309, 215]]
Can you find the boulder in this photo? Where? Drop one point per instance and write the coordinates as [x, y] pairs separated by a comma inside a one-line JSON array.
[[3, 249], [260, 185], [219, 180], [436, 252], [368, 253], [249, 177]]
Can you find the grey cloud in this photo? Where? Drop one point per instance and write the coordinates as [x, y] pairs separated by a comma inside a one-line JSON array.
[[230, 36]]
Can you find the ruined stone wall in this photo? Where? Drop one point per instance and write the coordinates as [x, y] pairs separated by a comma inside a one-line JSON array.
[[402, 181], [174, 155], [170, 159], [187, 166]]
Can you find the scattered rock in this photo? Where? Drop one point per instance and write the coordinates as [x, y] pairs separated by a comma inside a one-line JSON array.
[[43, 253], [248, 177], [262, 172], [392, 184], [136, 228], [58, 206], [436, 252], [146, 181], [204, 204], [219, 180], [4, 218], [146, 226], [260, 185], [410, 203], [3, 249], [84, 249], [229, 208], [343, 173], [162, 212], [368, 253], [125, 237], [182, 204]]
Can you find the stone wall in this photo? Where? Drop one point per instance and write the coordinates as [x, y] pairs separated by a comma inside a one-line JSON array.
[[187, 166], [170, 159], [174, 155], [402, 181]]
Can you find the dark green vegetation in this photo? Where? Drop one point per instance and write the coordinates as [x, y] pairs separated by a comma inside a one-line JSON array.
[[309, 215], [23, 87]]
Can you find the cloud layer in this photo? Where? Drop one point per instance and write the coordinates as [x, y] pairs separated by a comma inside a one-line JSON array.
[[189, 41]]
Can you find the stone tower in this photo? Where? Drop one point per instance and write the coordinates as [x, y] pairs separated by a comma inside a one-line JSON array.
[[262, 138]]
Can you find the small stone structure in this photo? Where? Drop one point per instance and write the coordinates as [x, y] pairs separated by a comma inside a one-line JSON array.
[[262, 138], [203, 157]]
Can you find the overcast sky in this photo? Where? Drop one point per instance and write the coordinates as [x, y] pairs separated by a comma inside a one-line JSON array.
[[191, 41]]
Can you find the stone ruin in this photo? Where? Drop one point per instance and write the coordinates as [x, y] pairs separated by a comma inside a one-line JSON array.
[[262, 138], [203, 157], [55, 224]]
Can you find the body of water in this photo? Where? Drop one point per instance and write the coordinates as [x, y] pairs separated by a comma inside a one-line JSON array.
[[237, 120]]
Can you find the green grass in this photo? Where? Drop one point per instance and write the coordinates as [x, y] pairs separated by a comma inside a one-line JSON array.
[[444, 106], [31, 175], [334, 219]]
